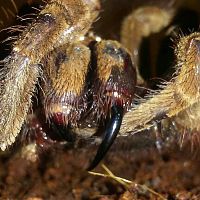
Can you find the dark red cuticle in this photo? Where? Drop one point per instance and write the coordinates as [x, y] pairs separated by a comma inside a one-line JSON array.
[[58, 118]]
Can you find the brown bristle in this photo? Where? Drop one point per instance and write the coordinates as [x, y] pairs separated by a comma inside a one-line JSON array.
[[64, 89], [115, 77]]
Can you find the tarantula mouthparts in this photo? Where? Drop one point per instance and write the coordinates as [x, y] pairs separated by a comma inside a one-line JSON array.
[[111, 90], [86, 86], [79, 80]]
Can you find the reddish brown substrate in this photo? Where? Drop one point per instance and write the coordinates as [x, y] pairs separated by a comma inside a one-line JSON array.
[[60, 175]]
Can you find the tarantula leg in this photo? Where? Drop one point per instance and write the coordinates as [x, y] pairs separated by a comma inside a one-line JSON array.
[[59, 22], [141, 23], [179, 97], [111, 132], [113, 90]]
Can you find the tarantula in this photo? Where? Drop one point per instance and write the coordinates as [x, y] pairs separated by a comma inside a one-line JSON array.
[[87, 86], [64, 64]]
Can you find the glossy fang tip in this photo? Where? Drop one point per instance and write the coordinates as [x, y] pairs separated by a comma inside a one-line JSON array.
[[112, 129]]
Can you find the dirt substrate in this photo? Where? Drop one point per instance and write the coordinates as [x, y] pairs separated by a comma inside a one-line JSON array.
[[60, 174]]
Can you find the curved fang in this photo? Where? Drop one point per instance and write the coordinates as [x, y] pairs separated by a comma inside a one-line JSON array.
[[112, 129]]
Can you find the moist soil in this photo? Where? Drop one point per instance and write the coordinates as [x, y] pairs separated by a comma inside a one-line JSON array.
[[60, 172]]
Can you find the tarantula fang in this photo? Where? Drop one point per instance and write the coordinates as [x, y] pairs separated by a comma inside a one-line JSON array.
[[111, 132]]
